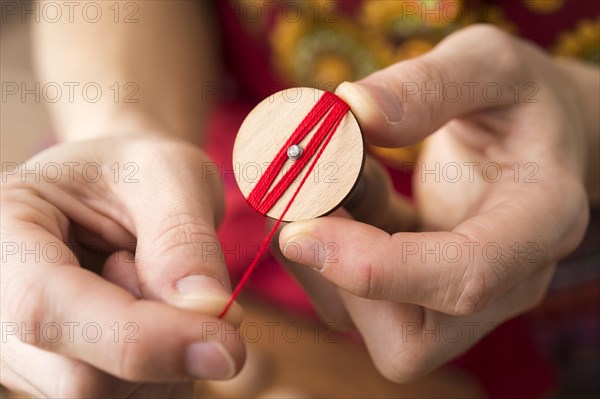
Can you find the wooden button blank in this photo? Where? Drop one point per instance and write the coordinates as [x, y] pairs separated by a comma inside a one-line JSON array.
[[264, 132]]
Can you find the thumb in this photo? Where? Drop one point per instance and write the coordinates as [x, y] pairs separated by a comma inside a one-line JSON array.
[[173, 208], [470, 70]]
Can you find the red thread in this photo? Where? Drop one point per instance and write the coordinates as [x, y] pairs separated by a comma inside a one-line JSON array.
[[333, 109]]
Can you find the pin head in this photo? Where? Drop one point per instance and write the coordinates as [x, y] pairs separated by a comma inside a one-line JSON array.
[[294, 152]]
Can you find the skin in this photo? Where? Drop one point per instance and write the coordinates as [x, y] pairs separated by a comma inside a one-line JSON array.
[[171, 225], [394, 291]]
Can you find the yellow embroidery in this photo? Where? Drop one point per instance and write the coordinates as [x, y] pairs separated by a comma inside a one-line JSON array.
[[325, 48], [583, 42], [406, 18], [322, 49], [543, 6]]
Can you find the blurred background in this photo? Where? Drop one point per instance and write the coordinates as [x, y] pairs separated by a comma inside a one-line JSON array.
[[25, 125]]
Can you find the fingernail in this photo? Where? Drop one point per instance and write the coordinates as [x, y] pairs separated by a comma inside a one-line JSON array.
[[209, 360], [206, 295], [372, 98]]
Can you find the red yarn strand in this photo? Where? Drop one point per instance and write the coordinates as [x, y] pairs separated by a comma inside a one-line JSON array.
[[308, 123]]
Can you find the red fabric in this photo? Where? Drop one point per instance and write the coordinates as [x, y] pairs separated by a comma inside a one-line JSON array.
[[245, 59], [538, 27], [507, 364]]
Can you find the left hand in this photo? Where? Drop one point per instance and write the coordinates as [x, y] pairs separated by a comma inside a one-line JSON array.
[[493, 235], [117, 234]]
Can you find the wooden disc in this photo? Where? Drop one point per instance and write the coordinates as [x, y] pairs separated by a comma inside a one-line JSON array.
[[265, 131]]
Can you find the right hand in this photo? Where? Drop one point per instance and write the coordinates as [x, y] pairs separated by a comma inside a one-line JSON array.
[[392, 287], [111, 288]]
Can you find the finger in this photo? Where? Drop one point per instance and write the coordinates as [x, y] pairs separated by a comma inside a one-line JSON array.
[[134, 340], [400, 216], [160, 198], [407, 341], [455, 272], [105, 326], [173, 210], [120, 269], [322, 293], [386, 328], [470, 70], [255, 377]]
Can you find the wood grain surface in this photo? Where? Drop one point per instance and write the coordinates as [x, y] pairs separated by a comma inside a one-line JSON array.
[[265, 131]]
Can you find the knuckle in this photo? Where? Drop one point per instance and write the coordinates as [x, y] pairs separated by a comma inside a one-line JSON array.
[[171, 154], [367, 281], [22, 302], [183, 232], [510, 57], [506, 48], [486, 32]]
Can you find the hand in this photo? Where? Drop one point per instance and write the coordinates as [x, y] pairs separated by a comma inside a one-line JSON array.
[[111, 272], [491, 237]]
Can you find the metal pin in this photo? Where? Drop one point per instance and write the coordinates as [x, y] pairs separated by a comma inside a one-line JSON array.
[[294, 152]]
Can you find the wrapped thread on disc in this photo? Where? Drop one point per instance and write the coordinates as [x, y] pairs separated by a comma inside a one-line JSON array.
[[265, 131]]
